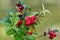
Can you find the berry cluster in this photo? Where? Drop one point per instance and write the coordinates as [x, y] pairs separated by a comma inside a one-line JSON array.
[[52, 34], [30, 20], [20, 7]]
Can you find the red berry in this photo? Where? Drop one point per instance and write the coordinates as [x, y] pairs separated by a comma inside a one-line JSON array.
[[27, 24], [32, 22], [29, 33], [21, 7], [18, 5], [54, 34], [51, 32], [27, 18], [50, 37], [17, 24], [20, 22], [19, 10], [34, 18]]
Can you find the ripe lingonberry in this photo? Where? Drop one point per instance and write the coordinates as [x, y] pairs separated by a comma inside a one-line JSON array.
[[34, 18], [51, 31], [27, 18], [32, 22], [54, 34], [19, 23], [29, 33], [19, 10], [50, 37], [29, 22], [21, 7]]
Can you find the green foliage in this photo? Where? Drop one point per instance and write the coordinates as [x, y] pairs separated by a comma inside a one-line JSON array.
[[10, 31], [56, 30], [30, 37]]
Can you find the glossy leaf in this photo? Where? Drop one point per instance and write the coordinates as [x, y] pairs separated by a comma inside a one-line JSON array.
[[55, 30]]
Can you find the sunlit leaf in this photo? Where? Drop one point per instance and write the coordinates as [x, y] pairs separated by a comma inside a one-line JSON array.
[[16, 20], [18, 13]]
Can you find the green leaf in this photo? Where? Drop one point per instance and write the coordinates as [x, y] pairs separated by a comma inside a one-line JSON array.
[[56, 30], [9, 31], [18, 13], [17, 37], [16, 20], [14, 27], [19, 2], [19, 32], [30, 37]]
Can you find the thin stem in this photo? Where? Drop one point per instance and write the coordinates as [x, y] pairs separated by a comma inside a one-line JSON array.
[[51, 26]]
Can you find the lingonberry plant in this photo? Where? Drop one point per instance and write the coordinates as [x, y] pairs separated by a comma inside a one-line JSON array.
[[21, 22], [52, 33]]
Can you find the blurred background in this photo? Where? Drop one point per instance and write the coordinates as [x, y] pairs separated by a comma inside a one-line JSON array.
[[54, 18]]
